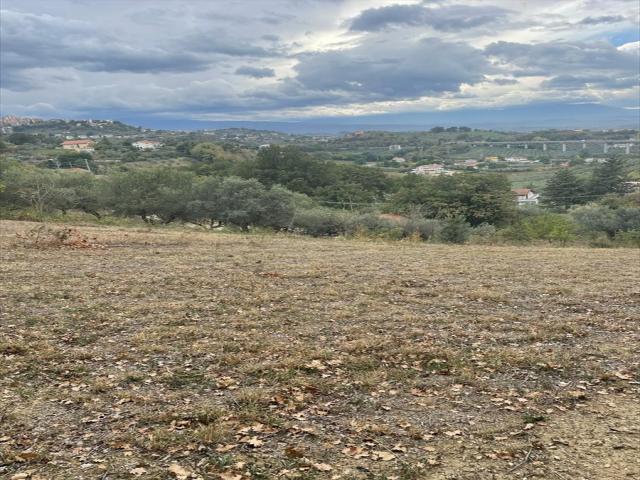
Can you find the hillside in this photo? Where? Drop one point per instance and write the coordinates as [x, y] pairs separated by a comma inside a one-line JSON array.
[[172, 354]]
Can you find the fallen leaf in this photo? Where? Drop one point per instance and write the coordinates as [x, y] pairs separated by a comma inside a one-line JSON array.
[[226, 448], [230, 476], [356, 452], [138, 471], [254, 441], [323, 467], [293, 452], [384, 456], [179, 472]]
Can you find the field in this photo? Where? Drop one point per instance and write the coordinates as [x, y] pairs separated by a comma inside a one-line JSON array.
[[159, 354]]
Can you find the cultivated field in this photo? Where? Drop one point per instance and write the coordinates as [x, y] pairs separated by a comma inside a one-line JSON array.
[[168, 354]]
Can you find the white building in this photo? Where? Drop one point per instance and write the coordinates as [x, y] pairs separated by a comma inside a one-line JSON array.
[[146, 144], [395, 148], [516, 159], [525, 196], [432, 169]]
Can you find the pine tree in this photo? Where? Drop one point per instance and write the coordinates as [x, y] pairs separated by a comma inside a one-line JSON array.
[[564, 190], [608, 177]]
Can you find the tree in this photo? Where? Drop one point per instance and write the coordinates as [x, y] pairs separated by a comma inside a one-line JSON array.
[[160, 192], [608, 177], [563, 190], [20, 138], [478, 198]]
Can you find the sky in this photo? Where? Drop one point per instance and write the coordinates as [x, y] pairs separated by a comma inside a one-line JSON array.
[[303, 59]]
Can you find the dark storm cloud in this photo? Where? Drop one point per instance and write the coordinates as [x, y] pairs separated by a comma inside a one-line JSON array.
[[393, 68], [255, 72], [445, 18]]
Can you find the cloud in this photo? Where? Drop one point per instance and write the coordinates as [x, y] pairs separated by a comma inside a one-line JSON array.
[[219, 42], [36, 41], [255, 72], [392, 67], [577, 82], [602, 19], [445, 18], [564, 58]]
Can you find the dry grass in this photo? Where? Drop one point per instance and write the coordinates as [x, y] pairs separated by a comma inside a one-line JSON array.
[[282, 357]]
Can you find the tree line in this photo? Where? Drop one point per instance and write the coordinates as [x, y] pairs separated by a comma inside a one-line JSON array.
[[285, 189]]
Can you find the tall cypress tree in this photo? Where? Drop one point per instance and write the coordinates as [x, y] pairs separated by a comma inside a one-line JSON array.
[[563, 190]]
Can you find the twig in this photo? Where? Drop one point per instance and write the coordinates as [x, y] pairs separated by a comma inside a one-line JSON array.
[[526, 459]]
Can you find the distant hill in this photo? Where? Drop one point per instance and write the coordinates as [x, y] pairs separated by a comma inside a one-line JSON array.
[[516, 118], [68, 127]]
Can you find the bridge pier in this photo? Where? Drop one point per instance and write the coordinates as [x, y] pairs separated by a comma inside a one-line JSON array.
[[526, 146], [606, 148], [564, 147], [544, 147], [627, 148], [584, 145]]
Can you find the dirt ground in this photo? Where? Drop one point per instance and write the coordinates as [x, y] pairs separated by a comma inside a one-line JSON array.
[[162, 353]]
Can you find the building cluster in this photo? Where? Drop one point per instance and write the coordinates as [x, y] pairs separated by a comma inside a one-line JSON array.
[[432, 170], [146, 144]]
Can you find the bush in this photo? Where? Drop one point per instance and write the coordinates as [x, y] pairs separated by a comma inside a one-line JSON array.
[[515, 233], [319, 222], [604, 219], [484, 233], [553, 227], [601, 240], [424, 228], [455, 230], [628, 239], [370, 224]]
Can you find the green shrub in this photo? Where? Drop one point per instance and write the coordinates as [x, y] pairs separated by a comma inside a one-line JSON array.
[[553, 227], [424, 228], [319, 222], [370, 224], [455, 230], [484, 233], [628, 239]]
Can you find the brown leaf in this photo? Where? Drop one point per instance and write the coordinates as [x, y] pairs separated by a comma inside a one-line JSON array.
[[138, 471], [382, 455], [293, 452], [254, 441], [179, 472], [323, 467], [230, 476], [226, 448]]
